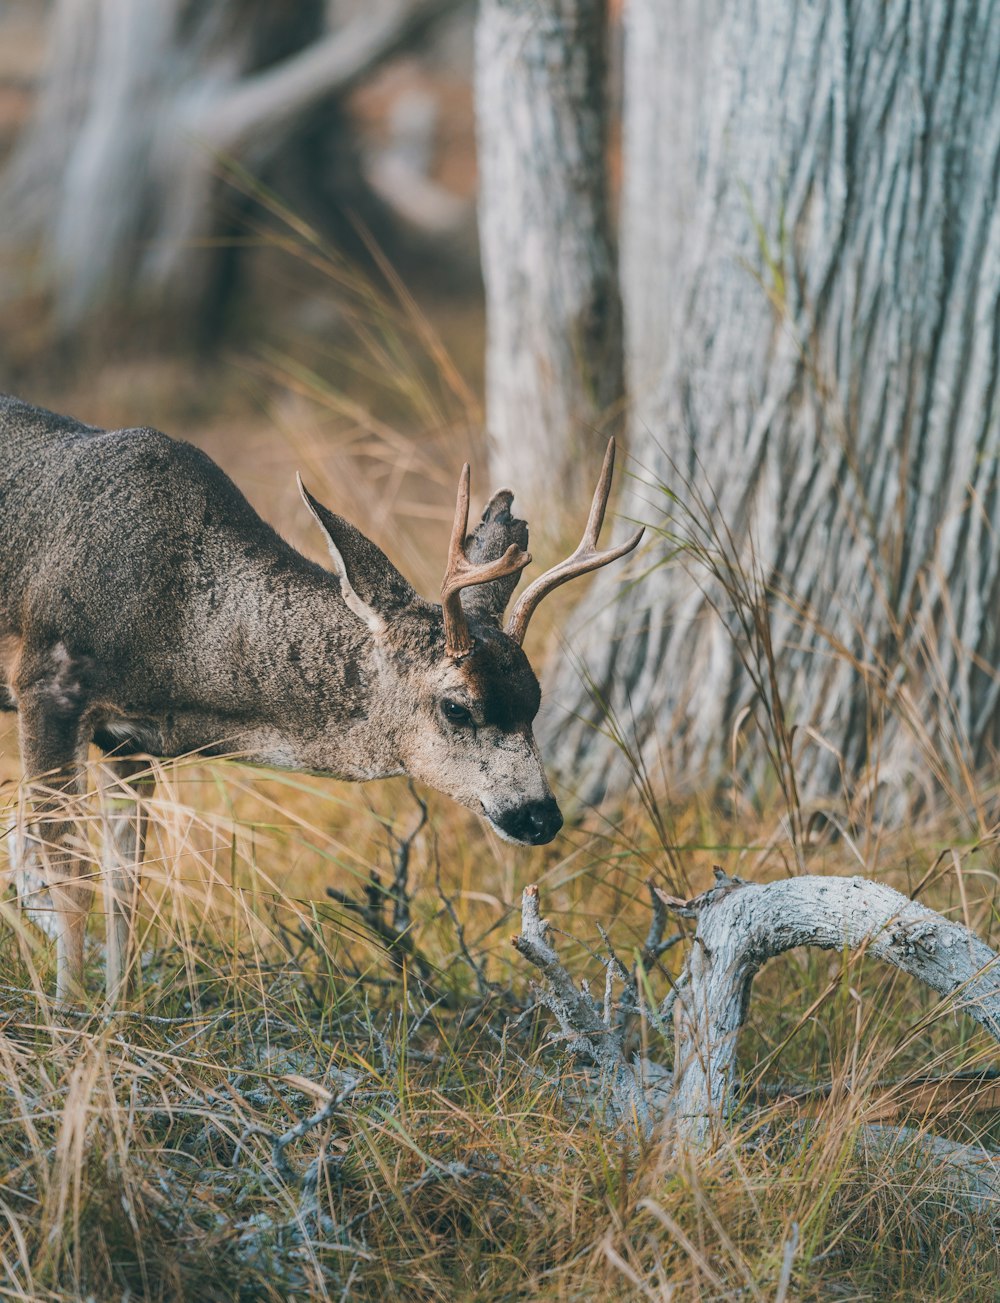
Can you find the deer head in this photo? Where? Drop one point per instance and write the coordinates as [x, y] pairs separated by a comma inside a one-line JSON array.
[[454, 688]]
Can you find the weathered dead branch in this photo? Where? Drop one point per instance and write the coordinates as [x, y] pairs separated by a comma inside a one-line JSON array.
[[962, 1093], [589, 1029], [279, 1143], [740, 926], [969, 1173]]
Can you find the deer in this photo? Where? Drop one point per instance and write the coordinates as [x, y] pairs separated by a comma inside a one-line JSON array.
[[146, 608]]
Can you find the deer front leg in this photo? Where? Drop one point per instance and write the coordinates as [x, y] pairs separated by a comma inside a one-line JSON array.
[[126, 786], [51, 705], [27, 874]]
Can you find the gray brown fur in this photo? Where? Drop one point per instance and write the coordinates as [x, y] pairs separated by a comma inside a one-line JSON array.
[[146, 607]]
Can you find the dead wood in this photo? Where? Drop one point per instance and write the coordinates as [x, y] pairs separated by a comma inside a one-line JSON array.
[[739, 927]]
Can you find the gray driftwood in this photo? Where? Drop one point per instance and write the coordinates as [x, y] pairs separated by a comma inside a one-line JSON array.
[[739, 926]]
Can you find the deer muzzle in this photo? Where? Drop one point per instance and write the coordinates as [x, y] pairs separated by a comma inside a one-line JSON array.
[[531, 824]]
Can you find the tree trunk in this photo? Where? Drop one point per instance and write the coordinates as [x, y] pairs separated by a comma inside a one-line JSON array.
[[117, 177], [811, 280], [553, 355]]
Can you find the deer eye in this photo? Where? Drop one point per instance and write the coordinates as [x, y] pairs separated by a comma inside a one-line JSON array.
[[455, 713]]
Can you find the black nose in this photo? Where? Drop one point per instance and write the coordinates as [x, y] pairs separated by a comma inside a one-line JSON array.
[[535, 823]]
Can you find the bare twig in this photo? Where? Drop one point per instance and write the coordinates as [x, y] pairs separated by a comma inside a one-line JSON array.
[[588, 1030], [654, 947], [432, 1175], [397, 929], [279, 1143], [485, 987], [965, 1093]]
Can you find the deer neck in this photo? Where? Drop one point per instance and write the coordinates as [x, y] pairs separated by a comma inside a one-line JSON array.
[[301, 679]]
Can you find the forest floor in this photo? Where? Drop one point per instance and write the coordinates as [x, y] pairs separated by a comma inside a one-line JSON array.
[[459, 1151], [296, 1106], [293, 1107]]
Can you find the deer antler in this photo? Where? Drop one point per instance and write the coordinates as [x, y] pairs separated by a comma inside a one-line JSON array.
[[462, 573], [584, 559]]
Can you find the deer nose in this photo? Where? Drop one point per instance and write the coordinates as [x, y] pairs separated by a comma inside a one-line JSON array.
[[535, 823]]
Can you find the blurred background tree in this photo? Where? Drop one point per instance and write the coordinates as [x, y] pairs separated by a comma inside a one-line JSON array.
[[553, 313], [117, 180]]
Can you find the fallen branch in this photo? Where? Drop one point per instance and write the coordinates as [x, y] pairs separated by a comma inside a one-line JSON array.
[[962, 1093], [741, 925], [968, 1172], [588, 1028], [279, 1143]]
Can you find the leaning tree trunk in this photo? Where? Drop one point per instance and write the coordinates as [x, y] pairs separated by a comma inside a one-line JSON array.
[[116, 178], [811, 280], [553, 319]]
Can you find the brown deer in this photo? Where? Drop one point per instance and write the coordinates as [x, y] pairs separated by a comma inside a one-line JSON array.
[[147, 608]]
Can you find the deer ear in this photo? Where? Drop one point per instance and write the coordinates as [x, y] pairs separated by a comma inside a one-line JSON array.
[[371, 585], [488, 541]]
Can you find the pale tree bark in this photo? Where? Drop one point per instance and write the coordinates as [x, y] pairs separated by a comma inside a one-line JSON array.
[[553, 318], [811, 281], [116, 179], [740, 926]]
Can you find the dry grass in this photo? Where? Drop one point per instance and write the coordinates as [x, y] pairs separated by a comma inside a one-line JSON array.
[[154, 1155], [139, 1154]]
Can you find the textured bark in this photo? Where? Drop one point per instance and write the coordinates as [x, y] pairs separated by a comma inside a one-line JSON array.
[[811, 280], [116, 177], [742, 925], [553, 354]]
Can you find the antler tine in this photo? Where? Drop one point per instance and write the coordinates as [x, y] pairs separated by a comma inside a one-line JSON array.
[[584, 559], [460, 525], [602, 492], [462, 573]]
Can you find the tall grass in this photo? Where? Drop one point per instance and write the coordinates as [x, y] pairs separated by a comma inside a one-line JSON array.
[[139, 1152], [304, 1101]]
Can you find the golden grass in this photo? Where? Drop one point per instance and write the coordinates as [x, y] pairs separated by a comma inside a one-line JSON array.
[[138, 1152], [139, 1156]]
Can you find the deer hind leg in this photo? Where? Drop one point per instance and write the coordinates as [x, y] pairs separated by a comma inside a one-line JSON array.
[[126, 786], [52, 701]]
